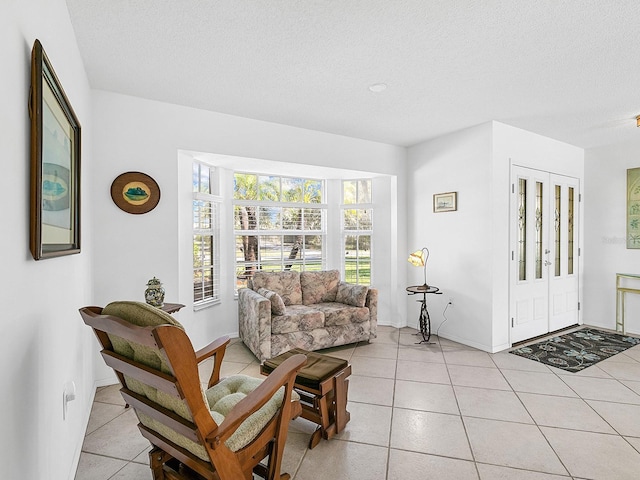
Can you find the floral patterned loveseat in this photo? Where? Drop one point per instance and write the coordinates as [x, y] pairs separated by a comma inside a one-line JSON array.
[[309, 310]]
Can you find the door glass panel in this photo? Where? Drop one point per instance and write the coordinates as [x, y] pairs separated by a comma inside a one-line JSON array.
[[539, 229], [570, 232], [522, 229], [558, 197]]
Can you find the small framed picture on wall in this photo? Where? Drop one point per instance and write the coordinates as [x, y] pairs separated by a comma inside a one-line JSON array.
[[445, 202]]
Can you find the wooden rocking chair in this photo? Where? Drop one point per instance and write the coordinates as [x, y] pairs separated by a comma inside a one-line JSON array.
[[222, 432]]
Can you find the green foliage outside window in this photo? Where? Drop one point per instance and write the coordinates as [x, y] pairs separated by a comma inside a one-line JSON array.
[[276, 226], [357, 227]]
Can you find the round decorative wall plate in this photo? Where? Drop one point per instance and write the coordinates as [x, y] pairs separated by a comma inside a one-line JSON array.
[[135, 192]]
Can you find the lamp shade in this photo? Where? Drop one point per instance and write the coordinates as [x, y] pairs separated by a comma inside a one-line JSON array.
[[419, 258]]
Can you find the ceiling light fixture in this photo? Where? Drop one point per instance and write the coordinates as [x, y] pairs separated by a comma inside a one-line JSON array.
[[378, 87], [638, 121]]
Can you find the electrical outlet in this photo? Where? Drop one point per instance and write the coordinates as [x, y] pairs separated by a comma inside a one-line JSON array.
[[68, 394], [451, 301]]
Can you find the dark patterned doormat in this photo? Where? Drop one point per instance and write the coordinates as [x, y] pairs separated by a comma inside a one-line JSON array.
[[577, 350]]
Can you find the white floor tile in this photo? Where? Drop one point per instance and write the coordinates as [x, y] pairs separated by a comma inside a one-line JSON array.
[[119, 438], [97, 467], [348, 460], [635, 386], [633, 352], [421, 353], [386, 334], [606, 389], [374, 367], [508, 360], [109, 394], [494, 472], [564, 412], [634, 441], [294, 451], [537, 382], [376, 350], [474, 358], [623, 417], [134, 470], [409, 465], [369, 424], [430, 397], [378, 391], [405, 410], [427, 372], [594, 455], [491, 404], [512, 445], [621, 370], [103, 413], [427, 432], [469, 376]]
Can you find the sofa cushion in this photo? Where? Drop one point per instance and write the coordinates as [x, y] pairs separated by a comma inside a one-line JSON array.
[[351, 294], [277, 304], [297, 318], [336, 314], [319, 286], [285, 284]]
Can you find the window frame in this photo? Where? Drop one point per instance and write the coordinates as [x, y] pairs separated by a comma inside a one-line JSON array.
[[356, 232], [213, 232], [283, 262]]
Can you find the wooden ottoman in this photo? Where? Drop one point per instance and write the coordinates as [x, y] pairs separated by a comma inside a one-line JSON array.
[[322, 385]]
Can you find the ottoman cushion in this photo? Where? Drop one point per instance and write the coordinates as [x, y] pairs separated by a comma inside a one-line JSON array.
[[319, 367]]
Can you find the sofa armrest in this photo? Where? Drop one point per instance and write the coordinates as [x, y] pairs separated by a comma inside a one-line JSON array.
[[254, 322], [372, 303]]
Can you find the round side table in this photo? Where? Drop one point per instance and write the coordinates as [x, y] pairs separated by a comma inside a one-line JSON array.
[[424, 320]]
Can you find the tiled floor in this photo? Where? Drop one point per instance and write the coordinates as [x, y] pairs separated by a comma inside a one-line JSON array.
[[441, 410]]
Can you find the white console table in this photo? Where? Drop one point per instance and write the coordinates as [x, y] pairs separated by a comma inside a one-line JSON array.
[[622, 288]]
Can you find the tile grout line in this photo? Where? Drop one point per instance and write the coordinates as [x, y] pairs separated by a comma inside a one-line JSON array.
[[462, 421], [535, 422], [393, 402], [562, 375]]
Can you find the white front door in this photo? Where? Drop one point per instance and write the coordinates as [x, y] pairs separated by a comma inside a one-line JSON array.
[[564, 255], [544, 252]]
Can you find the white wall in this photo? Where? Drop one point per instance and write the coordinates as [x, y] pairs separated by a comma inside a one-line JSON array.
[[142, 135], [389, 271], [44, 342], [469, 248], [514, 146], [606, 250], [459, 242]]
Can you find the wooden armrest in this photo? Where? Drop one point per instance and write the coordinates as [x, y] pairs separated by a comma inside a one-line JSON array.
[[285, 374], [216, 349], [211, 349]]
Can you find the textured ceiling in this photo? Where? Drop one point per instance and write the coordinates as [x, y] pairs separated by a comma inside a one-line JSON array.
[[569, 70]]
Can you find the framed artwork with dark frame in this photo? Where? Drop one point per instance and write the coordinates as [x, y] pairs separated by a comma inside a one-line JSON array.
[[445, 202], [55, 163], [135, 192]]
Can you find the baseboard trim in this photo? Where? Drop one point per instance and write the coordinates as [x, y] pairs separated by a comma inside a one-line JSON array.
[[87, 415], [560, 331]]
